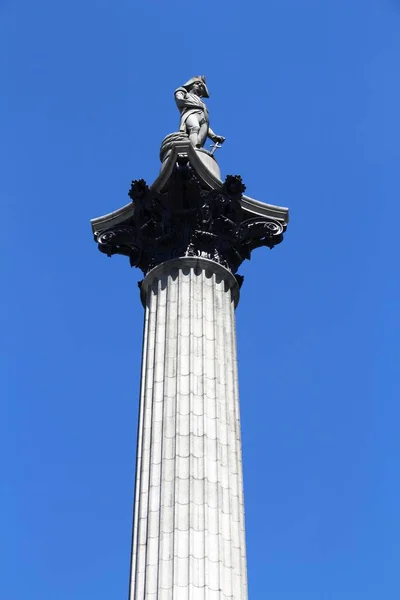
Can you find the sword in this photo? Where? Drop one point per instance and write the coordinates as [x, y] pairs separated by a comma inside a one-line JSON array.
[[215, 147]]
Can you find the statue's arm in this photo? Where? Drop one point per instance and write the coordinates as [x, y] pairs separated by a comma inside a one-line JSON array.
[[181, 99], [214, 137], [211, 134]]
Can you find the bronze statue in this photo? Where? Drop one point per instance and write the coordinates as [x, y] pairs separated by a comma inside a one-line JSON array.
[[194, 114]]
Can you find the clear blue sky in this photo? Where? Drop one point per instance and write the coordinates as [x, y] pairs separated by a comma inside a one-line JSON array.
[[308, 95]]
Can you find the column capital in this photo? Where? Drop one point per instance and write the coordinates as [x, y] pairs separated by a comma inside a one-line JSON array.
[[189, 212]]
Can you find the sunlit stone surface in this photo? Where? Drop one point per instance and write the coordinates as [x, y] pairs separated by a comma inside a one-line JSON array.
[[188, 536]]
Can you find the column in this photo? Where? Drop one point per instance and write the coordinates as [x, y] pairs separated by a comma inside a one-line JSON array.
[[188, 528]]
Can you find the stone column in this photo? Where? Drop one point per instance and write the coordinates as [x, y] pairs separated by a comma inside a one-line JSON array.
[[188, 531]]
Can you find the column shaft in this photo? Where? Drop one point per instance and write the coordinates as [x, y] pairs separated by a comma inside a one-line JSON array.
[[188, 531]]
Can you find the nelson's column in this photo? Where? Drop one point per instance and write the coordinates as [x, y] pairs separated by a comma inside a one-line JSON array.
[[189, 233]]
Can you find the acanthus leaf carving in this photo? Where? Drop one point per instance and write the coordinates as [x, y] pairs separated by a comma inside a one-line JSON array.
[[188, 220]]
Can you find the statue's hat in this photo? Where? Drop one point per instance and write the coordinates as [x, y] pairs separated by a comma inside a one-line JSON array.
[[201, 79]]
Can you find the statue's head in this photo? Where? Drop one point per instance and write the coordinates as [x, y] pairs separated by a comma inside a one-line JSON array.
[[197, 85]]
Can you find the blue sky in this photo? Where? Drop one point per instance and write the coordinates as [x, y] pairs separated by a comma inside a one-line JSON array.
[[307, 94]]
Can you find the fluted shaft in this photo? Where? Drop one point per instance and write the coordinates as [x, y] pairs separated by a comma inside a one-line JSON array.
[[188, 531]]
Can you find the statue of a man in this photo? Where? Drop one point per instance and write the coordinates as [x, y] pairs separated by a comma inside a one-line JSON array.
[[194, 114]]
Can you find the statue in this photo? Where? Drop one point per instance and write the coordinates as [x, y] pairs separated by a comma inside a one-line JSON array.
[[194, 114]]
